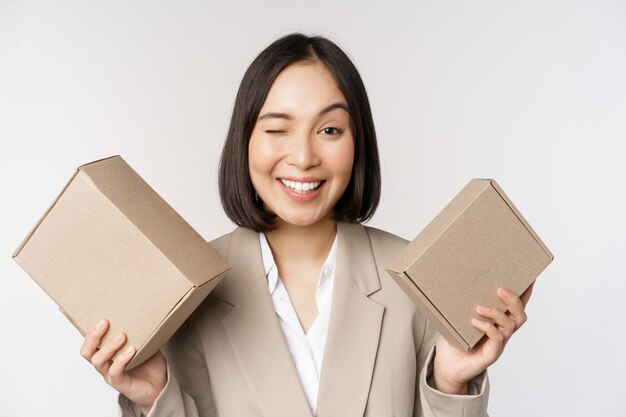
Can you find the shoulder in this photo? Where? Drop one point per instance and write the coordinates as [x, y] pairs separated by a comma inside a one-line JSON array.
[[385, 245], [221, 244], [384, 236]]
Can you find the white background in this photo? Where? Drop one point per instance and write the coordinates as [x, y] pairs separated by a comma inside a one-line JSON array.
[[531, 93]]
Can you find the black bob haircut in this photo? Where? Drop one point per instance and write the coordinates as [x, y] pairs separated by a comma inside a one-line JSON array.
[[360, 199]]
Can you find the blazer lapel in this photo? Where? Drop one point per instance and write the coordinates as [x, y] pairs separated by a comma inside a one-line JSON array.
[[254, 332], [354, 328]]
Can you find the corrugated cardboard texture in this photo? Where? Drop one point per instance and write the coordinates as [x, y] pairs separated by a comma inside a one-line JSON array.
[[479, 242], [111, 247], [156, 219]]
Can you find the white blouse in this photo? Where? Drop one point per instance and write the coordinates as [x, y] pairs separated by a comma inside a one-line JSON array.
[[307, 350]]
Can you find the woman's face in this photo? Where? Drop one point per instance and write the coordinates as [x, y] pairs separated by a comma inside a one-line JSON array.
[[301, 150]]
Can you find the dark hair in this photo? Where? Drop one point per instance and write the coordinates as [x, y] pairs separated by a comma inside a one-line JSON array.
[[360, 199]]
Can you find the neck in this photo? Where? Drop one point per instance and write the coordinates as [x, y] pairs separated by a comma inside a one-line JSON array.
[[302, 243]]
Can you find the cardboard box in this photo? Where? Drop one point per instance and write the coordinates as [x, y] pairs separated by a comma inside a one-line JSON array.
[[478, 242], [109, 246]]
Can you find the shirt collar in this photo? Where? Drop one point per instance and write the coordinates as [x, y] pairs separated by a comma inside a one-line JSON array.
[[271, 271]]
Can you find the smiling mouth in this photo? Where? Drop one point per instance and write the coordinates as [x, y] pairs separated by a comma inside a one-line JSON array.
[[302, 187]]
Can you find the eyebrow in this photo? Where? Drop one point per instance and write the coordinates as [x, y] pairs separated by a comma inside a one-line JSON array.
[[274, 115]]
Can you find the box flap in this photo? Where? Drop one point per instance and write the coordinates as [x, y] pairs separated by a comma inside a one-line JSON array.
[[156, 219]]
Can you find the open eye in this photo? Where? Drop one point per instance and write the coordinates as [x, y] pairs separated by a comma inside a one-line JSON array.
[[330, 130]]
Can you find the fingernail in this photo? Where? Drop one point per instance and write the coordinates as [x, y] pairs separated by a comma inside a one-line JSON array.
[[128, 351], [503, 292], [101, 324], [117, 339], [482, 309], [477, 322]]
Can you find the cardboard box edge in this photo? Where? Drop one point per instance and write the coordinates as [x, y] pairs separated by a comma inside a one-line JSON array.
[[441, 323], [43, 216], [51, 206], [26, 263], [220, 269], [522, 219], [134, 362], [396, 267], [210, 286], [100, 160]]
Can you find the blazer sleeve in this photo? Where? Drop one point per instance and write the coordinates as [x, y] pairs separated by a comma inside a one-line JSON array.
[[187, 392], [430, 402]]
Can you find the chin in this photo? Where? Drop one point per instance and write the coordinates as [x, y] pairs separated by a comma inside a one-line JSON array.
[[300, 220]]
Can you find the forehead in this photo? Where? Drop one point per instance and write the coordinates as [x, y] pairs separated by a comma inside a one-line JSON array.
[[302, 90]]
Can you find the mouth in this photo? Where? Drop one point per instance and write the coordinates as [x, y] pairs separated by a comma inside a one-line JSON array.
[[302, 187]]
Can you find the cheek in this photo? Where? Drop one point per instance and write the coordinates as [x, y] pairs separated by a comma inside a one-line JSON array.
[[343, 159], [260, 157]]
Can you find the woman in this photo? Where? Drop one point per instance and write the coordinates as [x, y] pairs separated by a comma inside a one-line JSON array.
[[306, 322]]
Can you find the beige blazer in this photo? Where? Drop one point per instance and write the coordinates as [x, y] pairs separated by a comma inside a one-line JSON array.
[[230, 358]]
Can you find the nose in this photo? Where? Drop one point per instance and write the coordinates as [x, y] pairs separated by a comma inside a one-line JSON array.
[[303, 153]]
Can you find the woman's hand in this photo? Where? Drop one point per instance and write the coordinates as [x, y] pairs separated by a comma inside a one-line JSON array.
[[142, 384], [454, 367]]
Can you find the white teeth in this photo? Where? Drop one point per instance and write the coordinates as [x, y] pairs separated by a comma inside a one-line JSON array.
[[301, 187]]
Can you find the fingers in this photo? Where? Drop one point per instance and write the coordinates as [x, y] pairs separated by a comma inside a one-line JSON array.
[[100, 356], [514, 305], [505, 324], [102, 359], [116, 370], [92, 339], [494, 345]]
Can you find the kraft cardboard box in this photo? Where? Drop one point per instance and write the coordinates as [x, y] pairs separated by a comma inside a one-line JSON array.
[[477, 243], [110, 246]]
